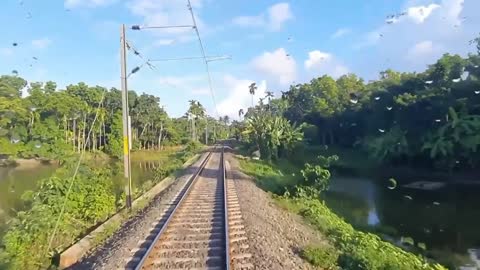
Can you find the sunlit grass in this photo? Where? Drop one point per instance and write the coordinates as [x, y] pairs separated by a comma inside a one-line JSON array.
[[269, 176], [155, 155]]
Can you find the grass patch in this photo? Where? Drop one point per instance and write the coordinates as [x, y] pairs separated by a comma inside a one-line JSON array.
[[155, 155], [268, 177], [324, 257]]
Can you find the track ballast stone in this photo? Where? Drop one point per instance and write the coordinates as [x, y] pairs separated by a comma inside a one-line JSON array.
[[275, 236]]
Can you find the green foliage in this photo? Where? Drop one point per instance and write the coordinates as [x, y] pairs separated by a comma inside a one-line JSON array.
[[459, 137], [317, 177], [52, 124], [324, 257], [115, 138], [273, 135], [392, 144], [193, 147], [429, 119], [91, 201]]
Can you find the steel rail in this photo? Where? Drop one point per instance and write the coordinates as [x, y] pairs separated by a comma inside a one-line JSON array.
[[227, 240], [172, 214]]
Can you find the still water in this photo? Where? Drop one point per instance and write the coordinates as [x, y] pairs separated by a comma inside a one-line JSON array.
[[446, 220], [14, 181]]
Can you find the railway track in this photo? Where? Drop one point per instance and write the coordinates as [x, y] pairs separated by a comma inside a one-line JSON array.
[[203, 229]]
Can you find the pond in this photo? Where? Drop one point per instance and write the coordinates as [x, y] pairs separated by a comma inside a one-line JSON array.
[[14, 181], [445, 221]]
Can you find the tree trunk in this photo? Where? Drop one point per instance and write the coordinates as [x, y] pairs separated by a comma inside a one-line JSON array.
[[74, 133], [65, 128], [330, 134], [94, 141], [143, 130], [160, 137], [104, 135], [100, 137], [194, 133], [83, 133]]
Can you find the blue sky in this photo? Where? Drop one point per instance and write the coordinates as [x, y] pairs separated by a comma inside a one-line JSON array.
[[274, 43]]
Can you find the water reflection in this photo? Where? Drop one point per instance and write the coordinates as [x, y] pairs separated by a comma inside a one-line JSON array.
[[373, 219], [444, 220]]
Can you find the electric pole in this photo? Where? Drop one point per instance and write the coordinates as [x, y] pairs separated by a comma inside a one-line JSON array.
[[125, 115]]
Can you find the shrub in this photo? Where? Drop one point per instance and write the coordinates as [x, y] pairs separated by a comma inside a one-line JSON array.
[[324, 257], [193, 146], [91, 200]]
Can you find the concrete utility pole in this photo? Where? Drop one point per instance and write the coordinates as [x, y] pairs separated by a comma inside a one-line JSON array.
[[125, 115]]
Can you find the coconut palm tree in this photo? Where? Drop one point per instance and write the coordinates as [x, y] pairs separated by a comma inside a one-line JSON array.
[[251, 89], [240, 113]]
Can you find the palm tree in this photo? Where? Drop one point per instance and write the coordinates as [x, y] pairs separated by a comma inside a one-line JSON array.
[[240, 113], [226, 119], [251, 89], [269, 95]]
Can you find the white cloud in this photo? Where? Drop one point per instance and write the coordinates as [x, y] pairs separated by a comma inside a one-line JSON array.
[[171, 12], [6, 51], [320, 63], [420, 37], [41, 43], [273, 19], [419, 13], [424, 50], [239, 96], [277, 66], [278, 14], [341, 32], [87, 3]]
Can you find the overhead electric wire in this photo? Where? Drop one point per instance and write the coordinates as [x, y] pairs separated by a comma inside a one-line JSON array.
[[137, 53], [202, 48], [57, 223], [209, 58]]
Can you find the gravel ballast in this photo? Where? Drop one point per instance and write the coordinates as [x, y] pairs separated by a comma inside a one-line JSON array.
[[275, 235], [119, 248]]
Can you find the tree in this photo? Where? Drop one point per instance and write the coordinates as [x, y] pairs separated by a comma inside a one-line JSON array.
[[252, 89], [195, 111]]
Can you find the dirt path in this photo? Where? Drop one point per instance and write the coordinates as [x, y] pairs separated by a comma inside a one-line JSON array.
[[275, 236]]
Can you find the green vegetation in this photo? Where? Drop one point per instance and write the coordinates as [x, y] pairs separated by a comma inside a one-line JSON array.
[[93, 198], [326, 258], [428, 120], [53, 124], [354, 249]]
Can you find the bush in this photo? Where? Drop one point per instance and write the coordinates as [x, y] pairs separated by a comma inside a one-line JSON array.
[[91, 200], [324, 257], [193, 146], [316, 178]]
